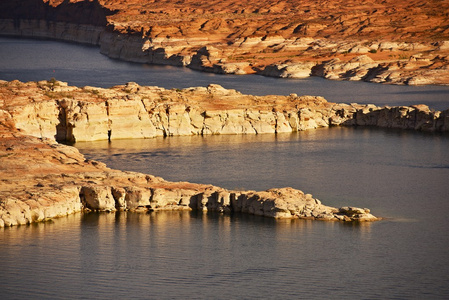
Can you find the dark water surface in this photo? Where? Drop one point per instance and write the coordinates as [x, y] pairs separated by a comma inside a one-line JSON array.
[[400, 175]]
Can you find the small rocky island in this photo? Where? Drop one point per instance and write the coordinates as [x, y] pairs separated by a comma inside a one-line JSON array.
[[43, 179]]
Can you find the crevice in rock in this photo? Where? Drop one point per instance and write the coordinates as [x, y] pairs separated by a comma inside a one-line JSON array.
[[64, 130]]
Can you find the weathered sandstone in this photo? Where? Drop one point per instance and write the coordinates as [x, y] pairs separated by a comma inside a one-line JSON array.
[[51, 109], [41, 179], [376, 41]]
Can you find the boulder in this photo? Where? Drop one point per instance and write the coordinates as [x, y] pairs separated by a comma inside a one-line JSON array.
[[98, 197]]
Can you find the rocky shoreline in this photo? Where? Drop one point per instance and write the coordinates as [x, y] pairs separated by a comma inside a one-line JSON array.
[[426, 63], [54, 110], [42, 179]]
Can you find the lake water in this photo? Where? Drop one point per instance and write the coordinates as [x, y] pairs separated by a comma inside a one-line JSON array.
[[81, 65], [401, 175]]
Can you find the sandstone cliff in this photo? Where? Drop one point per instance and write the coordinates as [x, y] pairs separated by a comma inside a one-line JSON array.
[[376, 41], [51, 109]]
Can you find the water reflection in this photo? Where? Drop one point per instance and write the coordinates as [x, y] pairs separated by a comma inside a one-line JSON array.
[[169, 254], [380, 169]]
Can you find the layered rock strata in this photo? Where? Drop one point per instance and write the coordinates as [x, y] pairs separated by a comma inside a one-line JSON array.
[[41, 180], [377, 41], [54, 110], [42, 29]]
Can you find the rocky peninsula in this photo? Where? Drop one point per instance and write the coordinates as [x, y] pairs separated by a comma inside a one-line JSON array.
[[52, 109], [42, 179], [382, 41]]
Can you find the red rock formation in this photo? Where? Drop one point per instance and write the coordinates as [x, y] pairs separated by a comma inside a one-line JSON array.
[[401, 42], [412, 21]]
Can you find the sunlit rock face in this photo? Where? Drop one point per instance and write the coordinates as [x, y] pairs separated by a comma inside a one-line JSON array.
[[41, 179], [51, 109]]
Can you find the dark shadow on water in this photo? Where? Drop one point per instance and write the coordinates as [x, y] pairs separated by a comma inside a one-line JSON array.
[[414, 92]]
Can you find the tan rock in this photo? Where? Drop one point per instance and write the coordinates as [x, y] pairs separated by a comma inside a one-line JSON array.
[[172, 199], [356, 214], [289, 70], [137, 197], [98, 197], [129, 119], [236, 122], [239, 68], [39, 119], [51, 180]]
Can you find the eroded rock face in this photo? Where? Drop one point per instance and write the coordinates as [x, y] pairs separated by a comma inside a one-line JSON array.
[[73, 114], [51, 180], [41, 179], [380, 41]]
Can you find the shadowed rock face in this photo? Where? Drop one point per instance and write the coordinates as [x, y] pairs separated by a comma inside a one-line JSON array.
[[77, 12]]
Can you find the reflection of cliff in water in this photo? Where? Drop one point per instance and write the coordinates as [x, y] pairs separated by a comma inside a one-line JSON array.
[[83, 12]]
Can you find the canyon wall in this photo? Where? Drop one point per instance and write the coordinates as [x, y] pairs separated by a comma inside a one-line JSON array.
[[287, 39], [197, 54]]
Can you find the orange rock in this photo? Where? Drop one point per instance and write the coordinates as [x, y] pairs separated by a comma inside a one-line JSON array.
[[246, 37]]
